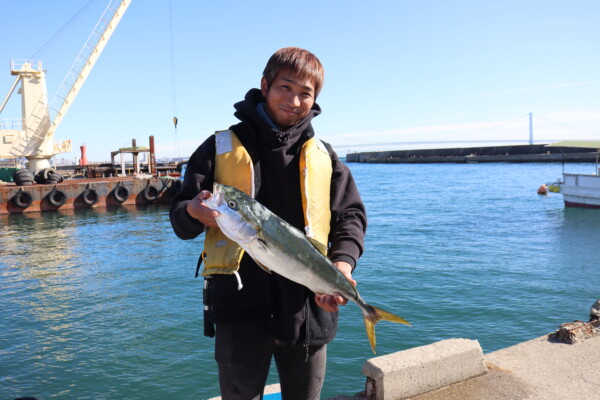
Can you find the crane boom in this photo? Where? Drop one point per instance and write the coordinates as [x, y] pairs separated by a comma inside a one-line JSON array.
[[35, 138]]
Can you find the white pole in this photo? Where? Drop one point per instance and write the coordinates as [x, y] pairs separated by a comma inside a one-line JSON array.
[[530, 129], [122, 165]]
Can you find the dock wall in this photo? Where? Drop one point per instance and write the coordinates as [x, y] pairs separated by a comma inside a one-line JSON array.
[[85, 193], [514, 154]]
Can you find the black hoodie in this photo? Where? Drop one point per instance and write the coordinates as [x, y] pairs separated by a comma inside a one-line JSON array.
[[283, 307]]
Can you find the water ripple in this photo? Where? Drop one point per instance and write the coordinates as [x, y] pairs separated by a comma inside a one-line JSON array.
[[102, 304]]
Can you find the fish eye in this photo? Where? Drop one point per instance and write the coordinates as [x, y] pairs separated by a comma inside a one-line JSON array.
[[231, 204]]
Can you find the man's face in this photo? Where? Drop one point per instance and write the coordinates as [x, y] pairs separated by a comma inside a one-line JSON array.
[[289, 99]]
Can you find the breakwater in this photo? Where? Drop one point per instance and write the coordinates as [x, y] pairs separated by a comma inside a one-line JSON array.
[[514, 153]]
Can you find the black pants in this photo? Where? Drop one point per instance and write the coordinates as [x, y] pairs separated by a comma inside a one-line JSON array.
[[243, 354]]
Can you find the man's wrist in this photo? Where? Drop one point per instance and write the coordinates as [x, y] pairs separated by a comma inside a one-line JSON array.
[[345, 258]]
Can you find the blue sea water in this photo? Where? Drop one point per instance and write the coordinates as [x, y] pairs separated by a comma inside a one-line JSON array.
[[102, 304]]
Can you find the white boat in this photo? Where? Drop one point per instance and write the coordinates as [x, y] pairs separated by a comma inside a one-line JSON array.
[[579, 190]]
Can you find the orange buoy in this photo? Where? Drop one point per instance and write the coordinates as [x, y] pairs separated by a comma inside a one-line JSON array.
[[543, 189]]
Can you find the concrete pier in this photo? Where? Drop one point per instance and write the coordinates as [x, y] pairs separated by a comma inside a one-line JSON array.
[[539, 369], [423, 369], [561, 365]]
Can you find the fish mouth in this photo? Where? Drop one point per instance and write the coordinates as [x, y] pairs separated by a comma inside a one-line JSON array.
[[216, 199]]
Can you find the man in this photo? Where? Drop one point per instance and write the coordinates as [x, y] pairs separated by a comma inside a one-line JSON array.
[[273, 316]]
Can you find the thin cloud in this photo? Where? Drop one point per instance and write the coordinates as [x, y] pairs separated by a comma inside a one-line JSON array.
[[419, 131], [555, 126]]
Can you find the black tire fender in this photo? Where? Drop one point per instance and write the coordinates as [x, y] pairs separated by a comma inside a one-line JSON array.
[[38, 177], [23, 177], [150, 193], [22, 199], [48, 172], [120, 193], [89, 196], [56, 197]]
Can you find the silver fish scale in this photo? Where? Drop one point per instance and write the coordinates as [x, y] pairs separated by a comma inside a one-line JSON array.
[[278, 246]]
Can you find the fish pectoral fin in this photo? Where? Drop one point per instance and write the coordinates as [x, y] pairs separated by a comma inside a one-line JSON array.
[[263, 247], [264, 244]]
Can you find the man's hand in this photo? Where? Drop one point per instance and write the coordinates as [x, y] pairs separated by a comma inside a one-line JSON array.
[[329, 302], [198, 210]]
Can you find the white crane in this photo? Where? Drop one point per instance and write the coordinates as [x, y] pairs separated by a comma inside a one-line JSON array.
[[33, 136]]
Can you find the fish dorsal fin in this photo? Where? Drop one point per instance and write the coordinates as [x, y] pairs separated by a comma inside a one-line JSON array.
[[318, 245]]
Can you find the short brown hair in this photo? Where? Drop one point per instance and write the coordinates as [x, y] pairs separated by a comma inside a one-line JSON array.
[[301, 61]]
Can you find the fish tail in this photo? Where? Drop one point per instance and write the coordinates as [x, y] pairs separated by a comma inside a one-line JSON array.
[[372, 315]]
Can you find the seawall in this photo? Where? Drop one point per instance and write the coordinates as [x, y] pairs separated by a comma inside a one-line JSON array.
[[514, 154]]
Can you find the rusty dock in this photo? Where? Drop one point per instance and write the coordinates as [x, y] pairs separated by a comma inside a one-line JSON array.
[[87, 193]]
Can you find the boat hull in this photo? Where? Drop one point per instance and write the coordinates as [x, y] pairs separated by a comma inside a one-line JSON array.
[[86, 193], [581, 190]]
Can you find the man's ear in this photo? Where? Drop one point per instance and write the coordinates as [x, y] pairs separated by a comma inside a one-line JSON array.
[[263, 86]]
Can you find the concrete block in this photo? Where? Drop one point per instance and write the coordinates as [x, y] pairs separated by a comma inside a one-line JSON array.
[[419, 370]]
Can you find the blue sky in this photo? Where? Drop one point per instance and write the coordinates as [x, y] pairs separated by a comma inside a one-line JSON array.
[[395, 71]]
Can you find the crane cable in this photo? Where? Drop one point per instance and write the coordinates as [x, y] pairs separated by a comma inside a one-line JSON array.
[[62, 30], [173, 85]]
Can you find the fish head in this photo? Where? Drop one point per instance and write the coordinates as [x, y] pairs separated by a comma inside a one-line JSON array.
[[236, 219]]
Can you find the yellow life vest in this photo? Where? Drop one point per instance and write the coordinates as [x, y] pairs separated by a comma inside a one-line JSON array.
[[233, 167]]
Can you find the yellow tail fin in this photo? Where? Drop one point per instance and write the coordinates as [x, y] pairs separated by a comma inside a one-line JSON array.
[[372, 316]]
